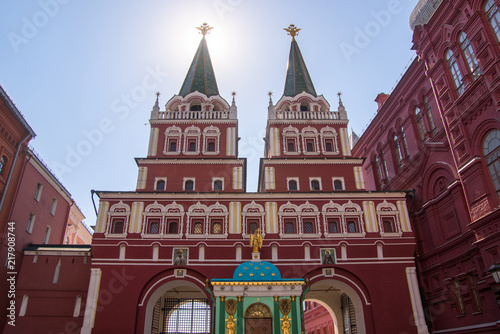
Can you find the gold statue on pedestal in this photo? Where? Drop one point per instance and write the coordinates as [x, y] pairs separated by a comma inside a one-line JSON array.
[[256, 241]]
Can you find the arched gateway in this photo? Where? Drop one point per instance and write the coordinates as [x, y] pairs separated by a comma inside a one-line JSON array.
[[174, 249]]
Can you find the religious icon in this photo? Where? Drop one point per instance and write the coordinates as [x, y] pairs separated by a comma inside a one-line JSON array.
[[328, 256], [180, 256]]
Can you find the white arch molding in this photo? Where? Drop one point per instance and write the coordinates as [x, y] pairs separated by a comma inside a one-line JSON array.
[[159, 289], [356, 295], [330, 311]]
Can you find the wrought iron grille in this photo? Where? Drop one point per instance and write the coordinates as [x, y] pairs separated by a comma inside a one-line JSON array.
[[186, 316]]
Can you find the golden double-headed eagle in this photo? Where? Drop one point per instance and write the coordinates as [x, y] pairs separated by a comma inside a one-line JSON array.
[[256, 241]]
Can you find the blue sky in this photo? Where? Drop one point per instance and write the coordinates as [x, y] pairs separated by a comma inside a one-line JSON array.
[[85, 73]]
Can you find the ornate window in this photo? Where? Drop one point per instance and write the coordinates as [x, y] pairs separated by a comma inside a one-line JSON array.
[[173, 136], [297, 221], [493, 16], [430, 117], [172, 227], [310, 140], [153, 219], [211, 138], [207, 222], [455, 72], [329, 142], [343, 220], [388, 219], [154, 227], [192, 136], [491, 151], [472, 63], [118, 220], [217, 184], [420, 124], [173, 216], [253, 218], [291, 141]]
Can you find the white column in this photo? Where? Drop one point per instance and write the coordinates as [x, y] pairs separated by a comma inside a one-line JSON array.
[[416, 303], [91, 305]]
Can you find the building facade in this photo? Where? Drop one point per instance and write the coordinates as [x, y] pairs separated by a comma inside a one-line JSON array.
[[180, 241], [438, 133]]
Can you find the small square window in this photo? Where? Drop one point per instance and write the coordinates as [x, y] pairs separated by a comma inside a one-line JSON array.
[[160, 185], [337, 185], [217, 185], [315, 185], [292, 185], [189, 185]]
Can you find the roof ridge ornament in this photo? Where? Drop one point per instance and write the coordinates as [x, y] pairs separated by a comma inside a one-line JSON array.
[[204, 29], [292, 30]]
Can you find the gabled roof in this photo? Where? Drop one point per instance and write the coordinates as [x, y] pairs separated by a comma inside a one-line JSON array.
[[297, 76], [200, 76]]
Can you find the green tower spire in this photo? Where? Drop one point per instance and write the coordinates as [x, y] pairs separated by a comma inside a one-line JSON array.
[[200, 76], [297, 76]]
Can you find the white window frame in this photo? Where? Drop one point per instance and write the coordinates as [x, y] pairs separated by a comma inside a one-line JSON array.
[[160, 179], [184, 180], [171, 133], [313, 178], [328, 133], [211, 133], [296, 179], [117, 211], [192, 133], [31, 223], [253, 212], [388, 210], [38, 191], [291, 133], [214, 179], [309, 133], [338, 178], [53, 207]]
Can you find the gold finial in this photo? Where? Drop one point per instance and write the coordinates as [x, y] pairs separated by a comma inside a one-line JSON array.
[[270, 93], [204, 29], [292, 30], [339, 94], [233, 93]]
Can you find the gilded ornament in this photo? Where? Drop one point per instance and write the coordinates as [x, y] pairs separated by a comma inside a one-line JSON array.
[[256, 241], [285, 306], [292, 30], [231, 306]]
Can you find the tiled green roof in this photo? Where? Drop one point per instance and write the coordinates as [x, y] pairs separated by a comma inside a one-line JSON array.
[[200, 76], [297, 76]]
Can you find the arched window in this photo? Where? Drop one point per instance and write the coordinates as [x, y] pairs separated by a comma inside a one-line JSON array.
[[292, 185], [420, 124], [397, 148], [315, 185], [289, 227], [218, 185], [384, 165], [388, 226], [173, 146], [211, 146], [189, 185], [3, 163], [472, 63], [291, 146], [352, 226], [309, 146], [430, 118], [405, 144], [160, 185], [455, 72], [337, 185], [195, 107], [491, 151], [192, 146], [493, 16], [328, 146], [378, 167]]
